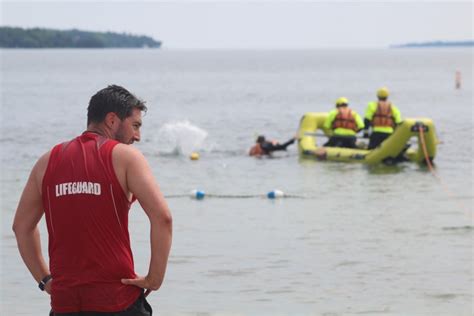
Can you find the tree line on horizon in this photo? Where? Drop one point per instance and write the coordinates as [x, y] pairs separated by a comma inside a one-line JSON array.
[[16, 37]]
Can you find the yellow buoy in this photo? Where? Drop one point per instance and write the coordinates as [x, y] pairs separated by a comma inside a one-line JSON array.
[[194, 156]]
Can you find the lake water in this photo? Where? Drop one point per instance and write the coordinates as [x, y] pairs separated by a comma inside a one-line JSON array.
[[358, 241]]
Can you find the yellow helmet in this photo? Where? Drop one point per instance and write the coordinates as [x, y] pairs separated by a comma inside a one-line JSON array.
[[383, 92], [342, 101]]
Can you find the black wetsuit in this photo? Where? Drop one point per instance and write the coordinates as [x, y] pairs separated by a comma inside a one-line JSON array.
[[268, 147]]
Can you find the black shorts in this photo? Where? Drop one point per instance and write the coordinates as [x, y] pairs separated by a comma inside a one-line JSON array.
[[139, 308], [377, 138], [341, 141]]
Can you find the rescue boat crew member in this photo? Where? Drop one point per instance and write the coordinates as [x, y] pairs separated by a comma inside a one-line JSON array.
[[345, 123], [265, 147], [383, 116]]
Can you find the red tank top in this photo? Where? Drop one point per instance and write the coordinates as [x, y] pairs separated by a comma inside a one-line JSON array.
[[86, 212]]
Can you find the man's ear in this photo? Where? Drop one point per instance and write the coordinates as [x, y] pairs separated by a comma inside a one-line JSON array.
[[111, 119]]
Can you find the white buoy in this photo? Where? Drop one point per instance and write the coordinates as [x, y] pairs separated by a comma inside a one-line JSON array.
[[275, 194], [198, 194]]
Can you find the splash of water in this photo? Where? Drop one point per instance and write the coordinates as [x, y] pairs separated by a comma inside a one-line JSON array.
[[181, 138]]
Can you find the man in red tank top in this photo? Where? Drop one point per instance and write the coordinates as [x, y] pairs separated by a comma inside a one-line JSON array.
[[85, 188]]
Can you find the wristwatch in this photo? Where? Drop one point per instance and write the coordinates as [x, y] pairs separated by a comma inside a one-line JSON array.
[[43, 282]]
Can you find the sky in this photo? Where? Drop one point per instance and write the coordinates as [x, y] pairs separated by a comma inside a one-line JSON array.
[[188, 24]]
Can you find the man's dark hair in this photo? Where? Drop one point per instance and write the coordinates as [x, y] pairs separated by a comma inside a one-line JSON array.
[[260, 139], [114, 99]]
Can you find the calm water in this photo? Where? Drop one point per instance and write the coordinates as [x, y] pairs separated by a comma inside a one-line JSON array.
[[377, 241]]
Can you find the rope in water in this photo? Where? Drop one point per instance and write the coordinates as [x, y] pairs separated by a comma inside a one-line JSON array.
[[425, 153], [433, 172]]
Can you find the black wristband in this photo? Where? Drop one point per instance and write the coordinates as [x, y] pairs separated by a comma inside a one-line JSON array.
[[43, 282]]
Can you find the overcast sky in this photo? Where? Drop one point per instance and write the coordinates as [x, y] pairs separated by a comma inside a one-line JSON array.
[[255, 24]]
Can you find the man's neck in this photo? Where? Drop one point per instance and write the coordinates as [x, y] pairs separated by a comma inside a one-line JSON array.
[[99, 130]]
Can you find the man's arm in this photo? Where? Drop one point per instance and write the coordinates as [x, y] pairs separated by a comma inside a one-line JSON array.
[[283, 146], [327, 125], [369, 115], [360, 124], [370, 110], [397, 117], [25, 225], [140, 182]]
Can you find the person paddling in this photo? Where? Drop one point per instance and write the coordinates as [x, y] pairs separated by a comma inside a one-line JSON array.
[[264, 147]]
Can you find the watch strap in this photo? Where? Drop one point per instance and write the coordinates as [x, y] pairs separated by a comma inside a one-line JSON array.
[[43, 282]]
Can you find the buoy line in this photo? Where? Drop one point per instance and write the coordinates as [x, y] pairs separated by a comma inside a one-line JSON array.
[[200, 195]]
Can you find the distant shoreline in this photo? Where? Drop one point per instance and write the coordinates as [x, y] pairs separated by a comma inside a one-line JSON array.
[[435, 44], [15, 37]]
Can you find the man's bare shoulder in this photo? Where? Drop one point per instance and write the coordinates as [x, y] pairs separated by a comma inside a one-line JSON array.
[[125, 154], [39, 169], [127, 150], [42, 162]]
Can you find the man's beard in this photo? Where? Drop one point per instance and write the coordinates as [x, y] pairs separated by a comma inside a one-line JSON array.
[[120, 136]]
